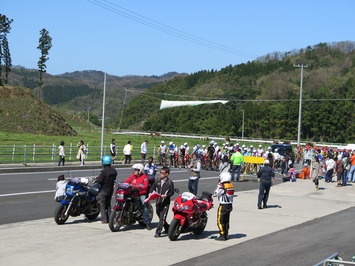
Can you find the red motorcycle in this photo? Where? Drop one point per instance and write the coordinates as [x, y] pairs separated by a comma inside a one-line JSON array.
[[128, 209], [190, 214]]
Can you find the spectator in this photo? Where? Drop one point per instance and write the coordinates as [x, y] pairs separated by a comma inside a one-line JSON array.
[[61, 154], [60, 188], [82, 151], [195, 168], [127, 151], [165, 187], [352, 168], [339, 169], [330, 168], [144, 150], [113, 150]]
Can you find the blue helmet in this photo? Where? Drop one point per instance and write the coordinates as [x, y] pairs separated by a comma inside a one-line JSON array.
[[106, 160]]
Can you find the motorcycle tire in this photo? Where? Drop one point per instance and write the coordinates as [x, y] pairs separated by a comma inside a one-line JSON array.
[[199, 230], [151, 213], [59, 214], [174, 229], [115, 221], [95, 211]]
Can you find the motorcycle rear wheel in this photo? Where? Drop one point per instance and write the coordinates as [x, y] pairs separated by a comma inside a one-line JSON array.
[[59, 214], [94, 212], [115, 221], [174, 229]]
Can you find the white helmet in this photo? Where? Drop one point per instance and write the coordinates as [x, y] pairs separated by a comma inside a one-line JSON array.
[[138, 166], [225, 177], [266, 161], [162, 141], [171, 143], [260, 146], [185, 144], [84, 180], [269, 148]]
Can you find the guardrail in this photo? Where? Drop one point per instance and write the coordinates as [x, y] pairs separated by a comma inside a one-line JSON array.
[[44, 154], [218, 138]]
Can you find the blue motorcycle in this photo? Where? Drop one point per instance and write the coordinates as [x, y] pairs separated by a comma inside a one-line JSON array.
[[79, 199]]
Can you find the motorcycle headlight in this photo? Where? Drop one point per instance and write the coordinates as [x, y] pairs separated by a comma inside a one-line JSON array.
[[120, 196], [184, 208], [69, 190]]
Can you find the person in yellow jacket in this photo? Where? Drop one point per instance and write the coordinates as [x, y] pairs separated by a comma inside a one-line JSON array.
[[237, 159]]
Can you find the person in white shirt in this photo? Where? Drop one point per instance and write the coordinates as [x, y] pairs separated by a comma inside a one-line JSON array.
[[60, 188], [330, 168], [144, 150], [127, 151], [61, 153]]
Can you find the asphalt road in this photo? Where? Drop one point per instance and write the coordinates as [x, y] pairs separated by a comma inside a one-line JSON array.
[[30, 196], [304, 244]]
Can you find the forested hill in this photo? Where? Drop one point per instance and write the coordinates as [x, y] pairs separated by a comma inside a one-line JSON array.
[[267, 90]]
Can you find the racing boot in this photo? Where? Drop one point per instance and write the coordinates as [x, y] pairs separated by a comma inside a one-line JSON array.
[[221, 238]]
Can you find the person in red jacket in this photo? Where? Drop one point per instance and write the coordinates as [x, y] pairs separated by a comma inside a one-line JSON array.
[[140, 181]]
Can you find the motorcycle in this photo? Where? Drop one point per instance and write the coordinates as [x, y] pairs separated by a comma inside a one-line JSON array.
[[190, 214], [128, 209], [79, 199]]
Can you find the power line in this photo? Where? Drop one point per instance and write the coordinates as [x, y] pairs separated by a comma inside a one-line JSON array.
[[167, 29]]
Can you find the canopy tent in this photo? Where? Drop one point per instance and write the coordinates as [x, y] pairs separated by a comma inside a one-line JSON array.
[[170, 104]]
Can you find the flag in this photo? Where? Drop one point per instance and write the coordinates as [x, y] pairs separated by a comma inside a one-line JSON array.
[[152, 196]]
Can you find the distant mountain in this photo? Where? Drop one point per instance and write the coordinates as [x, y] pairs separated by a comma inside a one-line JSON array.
[[82, 90]]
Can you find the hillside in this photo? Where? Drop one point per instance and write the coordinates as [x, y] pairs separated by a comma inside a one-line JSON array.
[[267, 91], [21, 111]]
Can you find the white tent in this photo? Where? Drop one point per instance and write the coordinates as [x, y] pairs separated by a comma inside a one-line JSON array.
[[170, 104]]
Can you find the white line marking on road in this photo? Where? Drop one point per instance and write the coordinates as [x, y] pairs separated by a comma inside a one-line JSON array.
[[27, 193]]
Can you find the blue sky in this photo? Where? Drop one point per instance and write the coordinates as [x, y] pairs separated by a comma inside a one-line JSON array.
[[96, 35]]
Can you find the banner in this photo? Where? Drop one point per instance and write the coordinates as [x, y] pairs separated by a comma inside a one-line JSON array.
[[169, 104], [252, 159]]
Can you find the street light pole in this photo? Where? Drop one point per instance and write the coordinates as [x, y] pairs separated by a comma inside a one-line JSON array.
[[300, 105], [103, 118]]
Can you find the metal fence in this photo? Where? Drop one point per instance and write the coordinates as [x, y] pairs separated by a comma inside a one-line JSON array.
[[44, 154]]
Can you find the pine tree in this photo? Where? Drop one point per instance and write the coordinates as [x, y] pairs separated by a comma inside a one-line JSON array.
[[45, 44], [5, 59]]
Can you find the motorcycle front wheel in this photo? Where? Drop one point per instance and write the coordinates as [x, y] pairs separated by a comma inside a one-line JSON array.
[[59, 214], [151, 213], [174, 229], [115, 220]]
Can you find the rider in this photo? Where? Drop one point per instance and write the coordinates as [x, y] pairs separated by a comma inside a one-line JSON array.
[[225, 194], [162, 150], [140, 181], [106, 179], [171, 150], [210, 152]]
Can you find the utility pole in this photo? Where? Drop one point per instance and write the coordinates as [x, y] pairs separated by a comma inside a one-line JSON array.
[[300, 105], [243, 126], [88, 109]]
